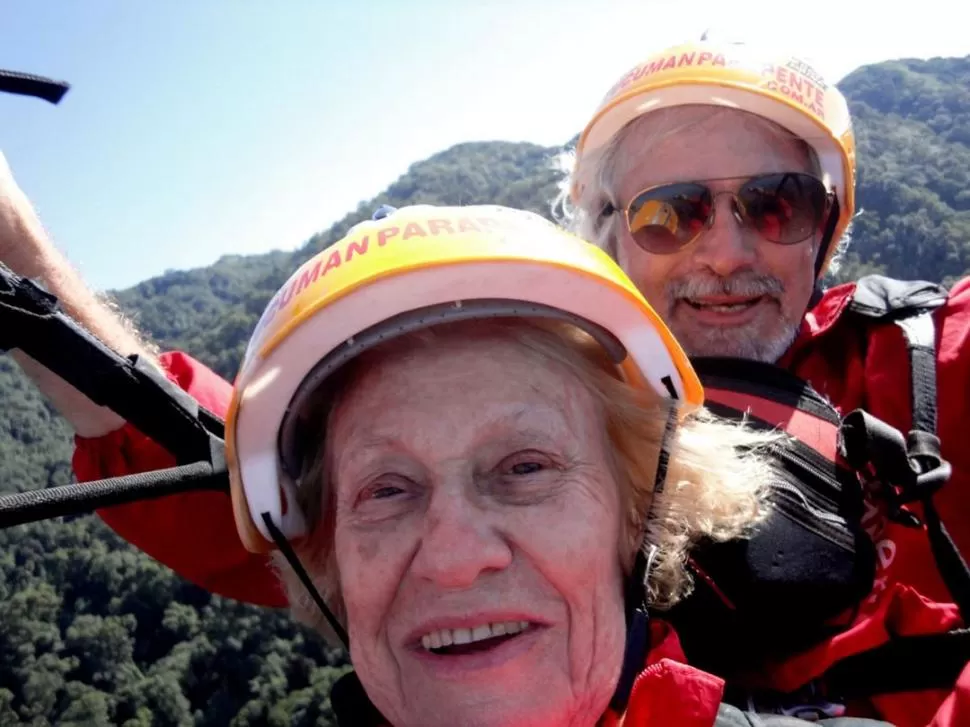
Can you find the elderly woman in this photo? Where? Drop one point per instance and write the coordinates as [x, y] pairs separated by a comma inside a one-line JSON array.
[[479, 453]]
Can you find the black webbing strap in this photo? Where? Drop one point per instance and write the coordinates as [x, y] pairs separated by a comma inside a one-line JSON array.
[[134, 389], [28, 84], [910, 472], [33, 505], [910, 305], [923, 446], [920, 335], [912, 469]]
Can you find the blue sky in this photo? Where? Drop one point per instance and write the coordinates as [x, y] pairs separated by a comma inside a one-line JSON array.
[[197, 129]]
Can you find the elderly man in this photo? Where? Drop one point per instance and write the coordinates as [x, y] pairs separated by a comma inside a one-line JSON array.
[[722, 179]]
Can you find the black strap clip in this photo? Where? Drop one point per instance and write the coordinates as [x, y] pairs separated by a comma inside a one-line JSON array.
[[904, 470]]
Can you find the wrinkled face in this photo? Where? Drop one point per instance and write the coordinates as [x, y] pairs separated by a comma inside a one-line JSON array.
[[477, 538], [730, 292]]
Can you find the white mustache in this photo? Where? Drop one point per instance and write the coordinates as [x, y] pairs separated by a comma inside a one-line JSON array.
[[742, 285]]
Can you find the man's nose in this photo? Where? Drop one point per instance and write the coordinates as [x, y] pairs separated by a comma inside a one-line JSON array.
[[729, 245]]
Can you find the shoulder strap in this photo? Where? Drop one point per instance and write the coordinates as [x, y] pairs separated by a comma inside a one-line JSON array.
[[882, 298], [910, 305], [913, 470], [915, 467]]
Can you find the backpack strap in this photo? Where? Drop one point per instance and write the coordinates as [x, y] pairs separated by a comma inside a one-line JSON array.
[[910, 305], [913, 470]]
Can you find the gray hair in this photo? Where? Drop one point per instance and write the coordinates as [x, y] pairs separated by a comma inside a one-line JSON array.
[[603, 168]]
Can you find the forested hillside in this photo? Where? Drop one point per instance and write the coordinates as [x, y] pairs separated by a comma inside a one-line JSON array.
[[93, 633], [913, 131]]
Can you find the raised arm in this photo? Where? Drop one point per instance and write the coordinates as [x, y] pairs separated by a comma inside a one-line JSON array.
[[193, 534], [27, 250]]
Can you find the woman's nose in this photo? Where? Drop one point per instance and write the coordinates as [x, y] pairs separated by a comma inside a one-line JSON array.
[[459, 541]]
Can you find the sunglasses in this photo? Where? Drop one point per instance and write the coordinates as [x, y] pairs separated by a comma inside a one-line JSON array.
[[783, 208]]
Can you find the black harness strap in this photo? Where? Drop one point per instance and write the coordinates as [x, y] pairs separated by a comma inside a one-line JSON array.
[[920, 334], [635, 596], [135, 390], [28, 84], [923, 445], [912, 470], [31, 321], [33, 505]]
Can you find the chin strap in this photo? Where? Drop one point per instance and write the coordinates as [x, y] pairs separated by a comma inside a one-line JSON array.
[[637, 634], [827, 233], [351, 705], [638, 612], [287, 550]]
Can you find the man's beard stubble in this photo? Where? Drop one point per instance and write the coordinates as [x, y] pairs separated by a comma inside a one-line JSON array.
[[749, 341]]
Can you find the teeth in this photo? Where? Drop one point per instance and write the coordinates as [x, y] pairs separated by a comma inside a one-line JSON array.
[[724, 307], [449, 637]]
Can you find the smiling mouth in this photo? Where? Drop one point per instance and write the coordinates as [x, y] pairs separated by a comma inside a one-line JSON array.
[[456, 642], [732, 307]]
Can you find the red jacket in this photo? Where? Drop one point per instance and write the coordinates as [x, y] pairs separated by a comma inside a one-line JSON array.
[[668, 692], [855, 367]]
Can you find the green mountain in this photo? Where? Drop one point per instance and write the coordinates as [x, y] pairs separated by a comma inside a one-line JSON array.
[[93, 633], [914, 180]]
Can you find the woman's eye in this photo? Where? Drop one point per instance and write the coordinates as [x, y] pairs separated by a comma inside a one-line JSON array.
[[526, 478], [382, 490], [525, 463], [526, 468]]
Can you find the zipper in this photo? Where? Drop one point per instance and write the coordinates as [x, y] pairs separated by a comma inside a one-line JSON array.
[[824, 472], [791, 502], [827, 507]]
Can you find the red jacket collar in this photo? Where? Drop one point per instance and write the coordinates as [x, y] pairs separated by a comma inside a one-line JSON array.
[[819, 319], [668, 691]]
